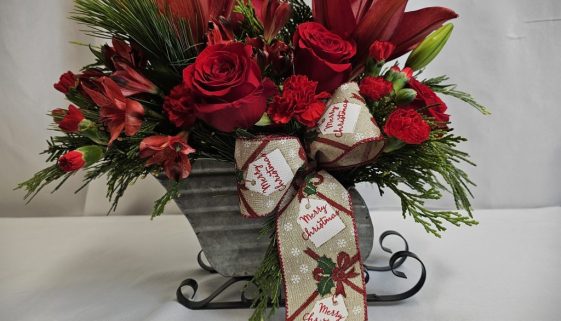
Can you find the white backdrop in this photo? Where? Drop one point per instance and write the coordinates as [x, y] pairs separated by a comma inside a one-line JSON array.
[[505, 52]]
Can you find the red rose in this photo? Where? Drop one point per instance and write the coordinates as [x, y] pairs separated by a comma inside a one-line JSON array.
[[227, 87], [70, 122], [298, 101], [171, 152], [375, 88], [66, 82], [322, 55], [381, 50], [71, 161], [429, 103], [408, 126], [179, 107]]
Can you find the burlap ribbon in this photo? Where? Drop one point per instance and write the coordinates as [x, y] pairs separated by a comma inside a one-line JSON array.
[[316, 229]]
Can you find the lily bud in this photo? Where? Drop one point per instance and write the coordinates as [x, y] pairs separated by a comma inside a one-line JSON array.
[[429, 48], [405, 96]]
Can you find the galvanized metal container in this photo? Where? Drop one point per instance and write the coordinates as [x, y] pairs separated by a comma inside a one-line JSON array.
[[233, 244]]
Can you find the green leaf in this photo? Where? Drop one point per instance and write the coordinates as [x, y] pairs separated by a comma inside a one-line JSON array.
[[326, 264], [325, 285]]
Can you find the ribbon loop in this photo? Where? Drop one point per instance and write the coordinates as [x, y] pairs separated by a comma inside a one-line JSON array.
[[268, 166], [347, 135]]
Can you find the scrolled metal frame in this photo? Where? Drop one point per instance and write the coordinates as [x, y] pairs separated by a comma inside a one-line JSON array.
[[396, 260]]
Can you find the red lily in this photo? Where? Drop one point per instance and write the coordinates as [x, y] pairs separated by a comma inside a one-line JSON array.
[[366, 21], [171, 152], [116, 112], [273, 15], [131, 81]]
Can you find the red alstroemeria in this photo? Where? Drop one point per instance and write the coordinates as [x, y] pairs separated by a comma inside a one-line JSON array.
[[117, 112], [123, 52], [131, 81], [273, 15], [171, 152], [71, 119], [366, 21]]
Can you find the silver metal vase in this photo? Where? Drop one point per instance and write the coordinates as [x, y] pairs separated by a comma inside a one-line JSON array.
[[231, 243]]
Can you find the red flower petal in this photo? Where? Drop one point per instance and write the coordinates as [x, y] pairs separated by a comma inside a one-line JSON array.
[[379, 23], [335, 15], [416, 25]]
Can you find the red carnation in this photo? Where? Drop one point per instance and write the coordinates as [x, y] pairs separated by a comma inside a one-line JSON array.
[[298, 101], [408, 126], [71, 161], [179, 107], [375, 88], [171, 152], [429, 103], [66, 82], [381, 50], [70, 121]]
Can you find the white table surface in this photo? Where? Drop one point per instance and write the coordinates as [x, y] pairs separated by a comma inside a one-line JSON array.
[[127, 268]]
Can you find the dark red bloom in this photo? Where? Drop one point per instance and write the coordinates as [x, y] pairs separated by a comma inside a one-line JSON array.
[[71, 161], [171, 152], [298, 101], [322, 55], [71, 120], [227, 87], [117, 112], [66, 82], [179, 106], [375, 88], [408, 126], [381, 50], [279, 57], [428, 103], [123, 52]]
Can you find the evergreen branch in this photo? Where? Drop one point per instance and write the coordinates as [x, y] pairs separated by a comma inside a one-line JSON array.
[[268, 277], [417, 173], [171, 193], [450, 90], [301, 13], [163, 37]]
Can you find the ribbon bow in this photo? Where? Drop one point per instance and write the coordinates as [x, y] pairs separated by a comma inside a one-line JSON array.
[[276, 175]]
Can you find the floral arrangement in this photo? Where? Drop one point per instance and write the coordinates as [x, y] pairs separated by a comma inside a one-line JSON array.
[[223, 79]]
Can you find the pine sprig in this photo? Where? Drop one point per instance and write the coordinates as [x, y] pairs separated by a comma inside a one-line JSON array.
[[268, 278], [301, 12], [420, 173], [165, 39], [451, 90]]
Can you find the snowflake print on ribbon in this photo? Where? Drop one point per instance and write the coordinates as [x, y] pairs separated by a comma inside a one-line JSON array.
[[295, 279], [295, 251], [287, 227]]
